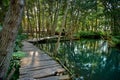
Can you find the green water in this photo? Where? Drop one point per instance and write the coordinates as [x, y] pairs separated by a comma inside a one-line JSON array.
[[88, 59]]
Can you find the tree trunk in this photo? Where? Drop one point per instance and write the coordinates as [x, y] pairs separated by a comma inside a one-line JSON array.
[[10, 29], [55, 18], [62, 27]]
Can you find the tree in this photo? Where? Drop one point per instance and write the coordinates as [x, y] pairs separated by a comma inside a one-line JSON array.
[[111, 10], [62, 26], [8, 35]]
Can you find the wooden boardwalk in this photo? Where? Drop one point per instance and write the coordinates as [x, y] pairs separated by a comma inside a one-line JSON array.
[[39, 66], [44, 39]]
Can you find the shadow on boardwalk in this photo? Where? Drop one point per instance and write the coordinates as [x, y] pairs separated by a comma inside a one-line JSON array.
[[39, 66]]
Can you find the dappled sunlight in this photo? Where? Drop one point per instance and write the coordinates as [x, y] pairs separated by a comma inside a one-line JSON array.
[[31, 53], [25, 62], [31, 60], [35, 53]]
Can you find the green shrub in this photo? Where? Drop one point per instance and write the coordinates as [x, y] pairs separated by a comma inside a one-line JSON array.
[[18, 55], [15, 63], [117, 41], [18, 41], [118, 37], [90, 34]]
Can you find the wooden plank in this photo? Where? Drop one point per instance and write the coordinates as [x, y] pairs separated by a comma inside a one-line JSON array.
[[34, 63], [54, 68], [42, 73], [37, 68], [49, 78], [36, 57], [40, 66], [26, 78]]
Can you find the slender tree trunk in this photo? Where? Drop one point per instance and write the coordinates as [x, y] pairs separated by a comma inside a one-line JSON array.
[[43, 19], [39, 18], [35, 20], [10, 29], [55, 19], [62, 27], [96, 17], [28, 21]]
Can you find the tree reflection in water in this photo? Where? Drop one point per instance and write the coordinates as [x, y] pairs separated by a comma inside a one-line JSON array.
[[88, 59]]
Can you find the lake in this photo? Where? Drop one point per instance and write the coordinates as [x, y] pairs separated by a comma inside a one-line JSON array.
[[88, 59]]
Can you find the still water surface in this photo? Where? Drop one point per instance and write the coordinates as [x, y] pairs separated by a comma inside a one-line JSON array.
[[88, 59]]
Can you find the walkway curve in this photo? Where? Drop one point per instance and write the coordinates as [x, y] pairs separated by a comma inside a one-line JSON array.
[[39, 66]]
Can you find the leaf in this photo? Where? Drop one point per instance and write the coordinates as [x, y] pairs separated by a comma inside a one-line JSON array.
[[19, 54]]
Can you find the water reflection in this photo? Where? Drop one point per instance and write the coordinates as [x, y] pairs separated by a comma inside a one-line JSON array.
[[88, 59]]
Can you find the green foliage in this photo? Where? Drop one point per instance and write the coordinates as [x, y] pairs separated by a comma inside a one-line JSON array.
[[3, 9], [15, 63], [22, 36], [18, 41], [90, 34], [16, 58], [118, 37], [111, 11], [18, 55], [115, 41]]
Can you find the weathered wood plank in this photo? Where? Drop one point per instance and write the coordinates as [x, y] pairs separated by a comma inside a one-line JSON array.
[[34, 63], [41, 73], [49, 78], [26, 78], [37, 67]]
